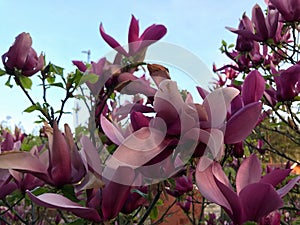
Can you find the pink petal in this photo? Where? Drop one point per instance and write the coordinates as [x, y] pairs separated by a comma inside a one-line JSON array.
[[217, 103], [240, 125], [23, 161], [111, 131], [248, 173], [139, 148], [258, 200], [285, 189], [112, 42], [207, 185], [213, 139], [56, 201], [253, 87], [91, 155]]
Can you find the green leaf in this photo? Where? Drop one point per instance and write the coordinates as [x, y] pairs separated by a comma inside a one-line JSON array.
[[58, 85], [56, 69], [93, 78], [32, 108], [51, 79], [68, 192], [25, 81], [154, 213], [78, 222], [2, 72], [7, 83]]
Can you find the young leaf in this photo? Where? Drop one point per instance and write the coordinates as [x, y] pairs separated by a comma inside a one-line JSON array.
[[93, 78], [2, 72], [7, 83], [25, 81], [32, 108]]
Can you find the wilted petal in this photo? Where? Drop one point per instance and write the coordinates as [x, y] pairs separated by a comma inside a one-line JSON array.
[[258, 200], [248, 173], [253, 87], [56, 201], [240, 125]]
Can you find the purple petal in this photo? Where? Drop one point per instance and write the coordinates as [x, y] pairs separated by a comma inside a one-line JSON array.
[[258, 19], [253, 87], [216, 104], [115, 192], [80, 65], [112, 42], [154, 32], [60, 158], [236, 211], [284, 190], [133, 35], [56, 201], [275, 176], [202, 92], [139, 120], [248, 173], [240, 125], [258, 200], [18, 52]]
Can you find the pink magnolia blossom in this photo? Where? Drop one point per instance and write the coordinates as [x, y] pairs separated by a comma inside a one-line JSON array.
[[137, 43], [255, 196], [22, 56]]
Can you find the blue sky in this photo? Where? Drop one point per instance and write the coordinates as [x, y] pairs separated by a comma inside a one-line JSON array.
[[63, 29]]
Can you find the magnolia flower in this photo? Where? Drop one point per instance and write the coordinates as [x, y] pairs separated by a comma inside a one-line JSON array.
[[255, 196], [261, 28], [58, 166], [137, 43], [288, 83], [289, 9], [22, 56]]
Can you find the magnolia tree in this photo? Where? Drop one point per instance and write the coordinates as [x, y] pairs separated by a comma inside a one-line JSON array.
[[145, 140]]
